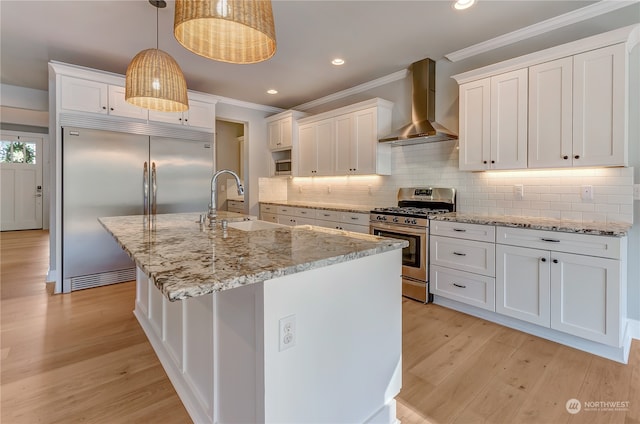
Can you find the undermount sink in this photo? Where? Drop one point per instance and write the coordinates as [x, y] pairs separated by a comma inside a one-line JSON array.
[[253, 225]]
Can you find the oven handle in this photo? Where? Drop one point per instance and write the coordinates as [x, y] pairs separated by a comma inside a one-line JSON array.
[[397, 228]]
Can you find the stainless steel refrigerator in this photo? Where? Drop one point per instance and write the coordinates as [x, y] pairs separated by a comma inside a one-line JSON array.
[[107, 173]]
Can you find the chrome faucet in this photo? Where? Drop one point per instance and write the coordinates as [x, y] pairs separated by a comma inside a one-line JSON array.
[[214, 181]]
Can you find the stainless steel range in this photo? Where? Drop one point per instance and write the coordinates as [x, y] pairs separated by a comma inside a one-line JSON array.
[[410, 221]]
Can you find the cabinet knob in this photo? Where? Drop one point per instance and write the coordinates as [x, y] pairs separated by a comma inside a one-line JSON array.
[[484, 161], [111, 108], [565, 157], [179, 119], [576, 157], [555, 261], [186, 120], [104, 108], [543, 259], [493, 161]]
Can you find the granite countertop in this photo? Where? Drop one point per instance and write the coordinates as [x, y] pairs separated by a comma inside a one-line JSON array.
[[323, 206], [617, 229], [186, 259]]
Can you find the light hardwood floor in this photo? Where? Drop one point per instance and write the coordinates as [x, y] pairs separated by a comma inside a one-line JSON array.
[[82, 357]]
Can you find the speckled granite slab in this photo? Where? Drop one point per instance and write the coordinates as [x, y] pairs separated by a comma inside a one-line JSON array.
[[186, 259], [323, 206], [616, 229]]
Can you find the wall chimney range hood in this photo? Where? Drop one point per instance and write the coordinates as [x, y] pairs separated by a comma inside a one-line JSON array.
[[423, 128]]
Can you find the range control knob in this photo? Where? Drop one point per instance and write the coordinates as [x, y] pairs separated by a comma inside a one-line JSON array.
[[395, 219]]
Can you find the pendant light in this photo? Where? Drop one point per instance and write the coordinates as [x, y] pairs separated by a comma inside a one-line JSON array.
[[234, 31], [154, 79]]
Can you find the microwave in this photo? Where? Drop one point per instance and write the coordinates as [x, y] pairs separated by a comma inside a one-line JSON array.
[[283, 167]]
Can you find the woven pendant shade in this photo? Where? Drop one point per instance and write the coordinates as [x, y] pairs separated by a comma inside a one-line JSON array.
[[154, 80], [234, 31]]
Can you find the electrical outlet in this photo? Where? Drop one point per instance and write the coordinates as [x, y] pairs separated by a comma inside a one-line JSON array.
[[587, 192], [369, 189], [287, 332], [329, 189], [636, 192], [518, 191]]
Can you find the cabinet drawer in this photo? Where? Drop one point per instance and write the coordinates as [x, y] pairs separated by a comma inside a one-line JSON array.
[[462, 230], [355, 228], [582, 244], [268, 208], [269, 217], [355, 218], [286, 210], [304, 213], [472, 289], [235, 203], [328, 215], [466, 255]]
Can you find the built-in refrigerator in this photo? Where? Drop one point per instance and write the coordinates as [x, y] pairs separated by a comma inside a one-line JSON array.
[[109, 173]]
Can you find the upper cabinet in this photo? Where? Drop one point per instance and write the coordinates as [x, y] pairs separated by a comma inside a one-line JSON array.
[[562, 107], [345, 141], [282, 130], [86, 91], [493, 122]]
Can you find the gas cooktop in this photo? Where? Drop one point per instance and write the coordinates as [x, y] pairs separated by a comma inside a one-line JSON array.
[[421, 202]]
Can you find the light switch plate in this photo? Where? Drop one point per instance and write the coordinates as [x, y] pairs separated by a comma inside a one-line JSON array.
[[587, 192], [518, 191]]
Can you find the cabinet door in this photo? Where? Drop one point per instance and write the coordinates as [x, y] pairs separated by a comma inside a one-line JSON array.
[[599, 98], [83, 95], [344, 145], [274, 135], [168, 117], [325, 147], [551, 114], [365, 142], [586, 296], [118, 106], [475, 125], [200, 115], [307, 158], [523, 284], [509, 120], [286, 132]]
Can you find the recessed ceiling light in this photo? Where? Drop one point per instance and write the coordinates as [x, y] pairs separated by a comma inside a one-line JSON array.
[[272, 91], [463, 4], [337, 62]]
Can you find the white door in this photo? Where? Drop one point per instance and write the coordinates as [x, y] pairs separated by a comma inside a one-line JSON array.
[[325, 143], [364, 144], [509, 120], [585, 297], [522, 283], [344, 163], [21, 183], [307, 156], [475, 125]]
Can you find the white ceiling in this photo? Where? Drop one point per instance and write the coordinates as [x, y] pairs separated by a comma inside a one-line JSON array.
[[376, 38]]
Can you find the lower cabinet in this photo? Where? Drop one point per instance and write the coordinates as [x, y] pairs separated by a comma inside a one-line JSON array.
[[574, 293], [288, 215]]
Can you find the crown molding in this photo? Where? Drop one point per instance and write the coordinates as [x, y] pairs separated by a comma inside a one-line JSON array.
[[578, 15], [354, 90]]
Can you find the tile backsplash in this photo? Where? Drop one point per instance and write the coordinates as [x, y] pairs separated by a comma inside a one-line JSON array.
[[546, 193]]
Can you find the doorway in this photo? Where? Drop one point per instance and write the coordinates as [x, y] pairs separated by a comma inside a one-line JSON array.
[[21, 187], [229, 155]]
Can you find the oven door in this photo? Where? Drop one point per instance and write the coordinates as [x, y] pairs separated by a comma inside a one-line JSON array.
[[414, 256]]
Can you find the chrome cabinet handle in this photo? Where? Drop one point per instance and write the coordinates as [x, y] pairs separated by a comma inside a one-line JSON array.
[[154, 189], [551, 240], [459, 254], [460, 230], [145, 188], [460, 285]]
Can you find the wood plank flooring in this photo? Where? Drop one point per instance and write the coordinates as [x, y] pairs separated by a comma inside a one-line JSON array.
[[82, 357]]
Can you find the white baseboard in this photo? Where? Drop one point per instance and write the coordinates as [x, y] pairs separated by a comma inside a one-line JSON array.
[[634, 328], [618, 354]]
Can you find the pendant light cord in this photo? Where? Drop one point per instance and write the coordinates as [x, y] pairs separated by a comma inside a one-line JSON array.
[[157, 9]]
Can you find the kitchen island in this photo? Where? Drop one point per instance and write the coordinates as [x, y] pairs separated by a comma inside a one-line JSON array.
[[273, 324]]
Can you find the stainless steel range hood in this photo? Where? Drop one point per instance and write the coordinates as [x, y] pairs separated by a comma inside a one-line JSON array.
[[423, 128]]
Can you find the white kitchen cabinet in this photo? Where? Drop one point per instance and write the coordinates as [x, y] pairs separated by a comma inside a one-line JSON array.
[[82, 95], [352, 148], [523, 284], [600, 84], [200, 115], [577, 101], [236, 206], [462, 267], [316, 152], [493, 122], [356, 143], [558, 287], [118, 106], [280, 133]]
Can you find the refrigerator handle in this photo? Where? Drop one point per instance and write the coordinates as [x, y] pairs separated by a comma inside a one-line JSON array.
[[145, 188], [154, 189]]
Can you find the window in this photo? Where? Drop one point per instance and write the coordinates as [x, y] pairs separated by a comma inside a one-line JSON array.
[[17, 152]]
